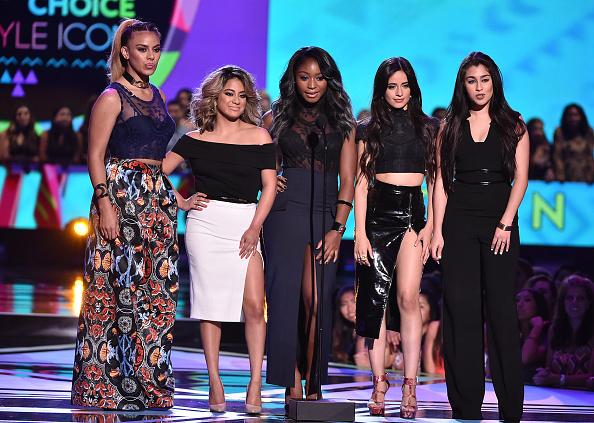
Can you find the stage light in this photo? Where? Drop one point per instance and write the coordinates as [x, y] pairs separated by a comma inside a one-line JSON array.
[[81, 227], [77, 294]]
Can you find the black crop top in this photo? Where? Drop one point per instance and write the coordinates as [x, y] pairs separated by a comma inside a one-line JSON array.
[[401, 151], [227, 170], [296, 142]]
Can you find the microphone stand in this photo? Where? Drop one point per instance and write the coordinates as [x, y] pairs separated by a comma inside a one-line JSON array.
[[319, 410]]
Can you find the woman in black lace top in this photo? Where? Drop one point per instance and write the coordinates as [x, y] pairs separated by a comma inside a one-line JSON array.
[[313, 111]]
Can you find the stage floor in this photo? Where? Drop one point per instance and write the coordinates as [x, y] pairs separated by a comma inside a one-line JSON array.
[[35, 387]]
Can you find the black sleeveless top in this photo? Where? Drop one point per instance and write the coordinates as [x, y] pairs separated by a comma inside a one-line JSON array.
[[227, 170], [295, 143], [401, 150], [143, 128], [477, 162]]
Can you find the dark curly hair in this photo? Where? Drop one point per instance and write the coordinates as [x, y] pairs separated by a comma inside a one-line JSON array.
[[507, 120], [425, 126], [335, 103]]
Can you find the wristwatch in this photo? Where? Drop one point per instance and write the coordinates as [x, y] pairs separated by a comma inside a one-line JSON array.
[[338, 227]]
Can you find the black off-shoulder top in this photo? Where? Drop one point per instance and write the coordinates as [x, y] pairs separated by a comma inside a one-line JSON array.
[[227, 170]]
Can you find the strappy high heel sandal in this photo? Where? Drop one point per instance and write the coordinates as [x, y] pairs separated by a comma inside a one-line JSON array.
[[378, 408], [408, 410]]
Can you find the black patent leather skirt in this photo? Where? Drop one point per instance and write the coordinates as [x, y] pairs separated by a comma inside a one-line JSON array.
[[392, 210]]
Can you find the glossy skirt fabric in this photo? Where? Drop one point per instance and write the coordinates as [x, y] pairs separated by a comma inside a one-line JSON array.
[[123, 346], [286, 235], [217, 272], [391, 211]]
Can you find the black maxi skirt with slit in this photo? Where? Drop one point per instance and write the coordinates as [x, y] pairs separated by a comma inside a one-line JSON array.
[[392, 210]]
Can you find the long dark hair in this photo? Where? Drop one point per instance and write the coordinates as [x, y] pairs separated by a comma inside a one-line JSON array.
[[542, 308], [56, 131], [507, 120], [335, 103], [569, 131], [562, 333], [343, 340], [425, 126], [28, 131]]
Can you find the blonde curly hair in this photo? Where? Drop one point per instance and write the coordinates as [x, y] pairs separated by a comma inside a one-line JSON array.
[[203, 110]]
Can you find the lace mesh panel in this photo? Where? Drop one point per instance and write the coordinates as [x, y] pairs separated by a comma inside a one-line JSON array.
[[296, 144], [143, 128]]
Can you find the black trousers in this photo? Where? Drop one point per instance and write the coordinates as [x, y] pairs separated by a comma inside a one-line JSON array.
[[479, 290]]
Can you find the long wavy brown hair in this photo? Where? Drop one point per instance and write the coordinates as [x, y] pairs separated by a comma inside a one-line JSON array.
[[203, 107]]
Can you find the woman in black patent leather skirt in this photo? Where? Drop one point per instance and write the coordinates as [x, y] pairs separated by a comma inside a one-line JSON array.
[[391, 237]]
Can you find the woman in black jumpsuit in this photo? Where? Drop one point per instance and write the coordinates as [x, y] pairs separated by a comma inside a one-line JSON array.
[[482, 148]]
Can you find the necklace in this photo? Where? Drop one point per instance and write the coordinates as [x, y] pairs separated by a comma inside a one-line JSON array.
[[136, 83]]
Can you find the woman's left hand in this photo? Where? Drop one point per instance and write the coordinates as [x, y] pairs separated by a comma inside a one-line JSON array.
[[249, 242], [424, 238], [197, 201], [331, 247], [500, 243]]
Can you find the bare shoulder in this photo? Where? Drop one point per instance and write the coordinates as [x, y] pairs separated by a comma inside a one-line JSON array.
[[108, 98], [195, 134], [257, 135], [267, 119], [433, 327], [162, 94]]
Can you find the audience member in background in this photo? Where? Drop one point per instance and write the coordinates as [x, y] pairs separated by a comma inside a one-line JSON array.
[[570, 356], [61, 144], [439, 113], [83, 131], [182, 125], [523, 273], [20, 142], [544, 284], [264, 101], [563, 272], [363, 115], [343, 329], [184, 97], [533, 317], [574, 146], [541, 163], [431, 344]]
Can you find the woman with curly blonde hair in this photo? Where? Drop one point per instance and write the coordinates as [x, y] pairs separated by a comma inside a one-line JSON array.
[[232, 159]]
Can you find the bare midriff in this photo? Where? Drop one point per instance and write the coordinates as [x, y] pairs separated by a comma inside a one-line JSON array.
[[402, 179]]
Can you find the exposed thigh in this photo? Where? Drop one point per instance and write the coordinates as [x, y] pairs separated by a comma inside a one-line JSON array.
[[409, 265], [254, 280], [306, 276]]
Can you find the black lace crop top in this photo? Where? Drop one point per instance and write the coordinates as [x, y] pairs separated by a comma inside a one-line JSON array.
[[142, 129], [295, 144], [227, 170], [401, 150]]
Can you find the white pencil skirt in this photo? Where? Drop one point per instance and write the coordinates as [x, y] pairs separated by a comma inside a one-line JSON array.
[[217, 273]]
